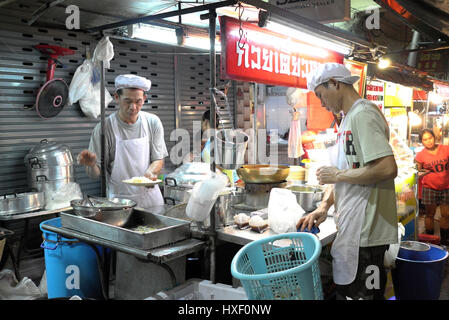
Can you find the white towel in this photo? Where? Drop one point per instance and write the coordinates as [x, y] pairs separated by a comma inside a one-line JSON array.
[[295, 149]]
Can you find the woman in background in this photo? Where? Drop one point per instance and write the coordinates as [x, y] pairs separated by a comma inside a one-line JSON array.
[[433, 170]]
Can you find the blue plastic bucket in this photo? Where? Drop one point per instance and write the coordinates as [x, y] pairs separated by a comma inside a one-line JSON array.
[[71, 265], [418, 274]]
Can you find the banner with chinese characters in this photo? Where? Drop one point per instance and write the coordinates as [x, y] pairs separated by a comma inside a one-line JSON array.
[[375, 92], [255, 54]]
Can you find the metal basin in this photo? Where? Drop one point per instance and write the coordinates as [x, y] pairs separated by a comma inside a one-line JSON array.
[[116, 211], [307, 196], [263, 173], [15, 203]]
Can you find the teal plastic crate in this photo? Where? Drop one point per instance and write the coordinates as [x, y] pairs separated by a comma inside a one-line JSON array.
[[283, 266]]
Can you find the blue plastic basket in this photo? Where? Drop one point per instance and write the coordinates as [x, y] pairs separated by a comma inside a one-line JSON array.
[[284, 266]]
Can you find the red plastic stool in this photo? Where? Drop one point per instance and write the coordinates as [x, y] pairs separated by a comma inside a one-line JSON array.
[[429, 238]]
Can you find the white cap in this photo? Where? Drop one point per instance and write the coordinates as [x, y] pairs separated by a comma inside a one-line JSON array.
[[327, 71], [126, 81]]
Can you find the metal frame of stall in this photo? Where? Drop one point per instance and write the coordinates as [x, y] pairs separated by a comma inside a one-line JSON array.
[[275, 14]]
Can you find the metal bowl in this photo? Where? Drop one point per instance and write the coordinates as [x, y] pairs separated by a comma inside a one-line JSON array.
[[116, 211], [307, 196], [263, 173]]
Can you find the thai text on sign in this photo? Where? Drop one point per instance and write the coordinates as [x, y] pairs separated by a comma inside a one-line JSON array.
[[266, 57]]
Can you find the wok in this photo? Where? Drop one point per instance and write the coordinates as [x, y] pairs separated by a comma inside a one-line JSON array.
[[263, 173]]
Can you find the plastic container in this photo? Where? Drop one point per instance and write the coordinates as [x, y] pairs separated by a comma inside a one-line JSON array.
[[198, 289], [283, 266], [418, 274], [71, 266]]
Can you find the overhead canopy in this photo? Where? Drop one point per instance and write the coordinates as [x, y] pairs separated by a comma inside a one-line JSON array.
[[405, 76]]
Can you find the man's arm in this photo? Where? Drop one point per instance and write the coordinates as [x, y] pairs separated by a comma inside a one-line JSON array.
[[375, 171], [317, 216]]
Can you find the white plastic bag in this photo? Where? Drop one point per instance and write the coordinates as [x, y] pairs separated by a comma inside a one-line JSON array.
[[393, 250], [81, 84], [203, 197], [283, 211], [57, 198], [91, 103], [104, 51], [11, 289]]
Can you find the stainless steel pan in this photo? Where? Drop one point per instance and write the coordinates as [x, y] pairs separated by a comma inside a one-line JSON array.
[[15, 203]]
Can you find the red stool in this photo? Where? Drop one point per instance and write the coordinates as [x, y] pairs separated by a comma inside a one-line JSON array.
[[429, 238]]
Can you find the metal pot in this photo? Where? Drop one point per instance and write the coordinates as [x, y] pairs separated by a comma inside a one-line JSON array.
[[307, 196], [178, 185], [226, 202], [49, 154], [263, 173], [15, 203], [42, 183], [116, 213], [50, 173], [230, 148]]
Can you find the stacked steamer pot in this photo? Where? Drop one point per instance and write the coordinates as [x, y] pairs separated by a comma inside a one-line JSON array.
[[49, 166]]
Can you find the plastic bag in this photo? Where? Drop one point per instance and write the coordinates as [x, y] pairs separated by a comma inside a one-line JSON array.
[[393, 250], [56, 198], [104, 51], [80, 85], [91, 103], [283, 211], [11, 289], [203, 197]]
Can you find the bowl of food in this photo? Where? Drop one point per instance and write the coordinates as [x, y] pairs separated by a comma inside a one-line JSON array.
[[115, 211]]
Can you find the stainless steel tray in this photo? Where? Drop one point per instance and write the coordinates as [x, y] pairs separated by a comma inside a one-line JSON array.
[[169, 230]]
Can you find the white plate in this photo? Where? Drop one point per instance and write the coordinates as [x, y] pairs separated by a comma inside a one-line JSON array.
[[142, 184]]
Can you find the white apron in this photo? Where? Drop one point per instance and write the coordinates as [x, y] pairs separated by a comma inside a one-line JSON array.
[[132, 158], [350, 204]]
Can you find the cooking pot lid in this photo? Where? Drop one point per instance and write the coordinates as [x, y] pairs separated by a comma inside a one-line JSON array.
[[51, 98], [44, 146]]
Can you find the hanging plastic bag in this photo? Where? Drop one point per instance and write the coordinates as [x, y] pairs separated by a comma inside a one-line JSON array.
[[91, 103], [393, 250], [284, 211], [81, 84], [104, 51]]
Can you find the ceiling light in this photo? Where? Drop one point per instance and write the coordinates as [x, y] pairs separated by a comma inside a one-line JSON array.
[[308, 38], [383, 63], [154, 33]]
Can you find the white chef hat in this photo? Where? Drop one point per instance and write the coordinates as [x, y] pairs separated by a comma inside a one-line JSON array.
[[125, 81], [327, 71]]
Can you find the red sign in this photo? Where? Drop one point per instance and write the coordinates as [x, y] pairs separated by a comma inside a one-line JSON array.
[[263, 56]]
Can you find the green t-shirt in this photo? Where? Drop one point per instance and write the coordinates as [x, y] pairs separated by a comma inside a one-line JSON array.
[[370, 135]]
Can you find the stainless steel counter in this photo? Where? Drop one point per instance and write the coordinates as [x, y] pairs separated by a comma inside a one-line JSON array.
[[235, 235]]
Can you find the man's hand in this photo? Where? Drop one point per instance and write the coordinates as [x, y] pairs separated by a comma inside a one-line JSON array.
[[150, 175], [314, 218], [87, 158], [327, 175]]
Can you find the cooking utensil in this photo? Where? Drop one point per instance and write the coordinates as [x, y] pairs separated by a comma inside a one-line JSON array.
[[307, 196], [263, 173], [230, 148], [53, 95], [15, 203], [117, 214]]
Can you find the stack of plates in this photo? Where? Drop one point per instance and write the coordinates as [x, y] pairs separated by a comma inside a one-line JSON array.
[[297, 173]]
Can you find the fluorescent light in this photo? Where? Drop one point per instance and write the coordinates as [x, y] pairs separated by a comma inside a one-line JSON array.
[[201, 43], [308, 38], [154, 33]]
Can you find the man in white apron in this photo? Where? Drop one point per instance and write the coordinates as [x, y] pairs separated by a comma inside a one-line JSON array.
[[134, 145], [361, 186]]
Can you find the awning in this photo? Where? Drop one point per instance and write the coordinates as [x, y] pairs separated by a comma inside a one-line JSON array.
[[403, 75]]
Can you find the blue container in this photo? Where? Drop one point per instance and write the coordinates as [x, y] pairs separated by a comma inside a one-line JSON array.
[[418, 274], [283, 266], [71, 265]]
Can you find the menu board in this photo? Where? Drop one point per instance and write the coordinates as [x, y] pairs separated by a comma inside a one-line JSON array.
[[375, 92]]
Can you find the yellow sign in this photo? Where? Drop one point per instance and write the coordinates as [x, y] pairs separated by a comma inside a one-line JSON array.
[[397, 95]]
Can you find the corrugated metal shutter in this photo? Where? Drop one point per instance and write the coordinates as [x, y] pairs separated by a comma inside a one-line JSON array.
[[23, 72]]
